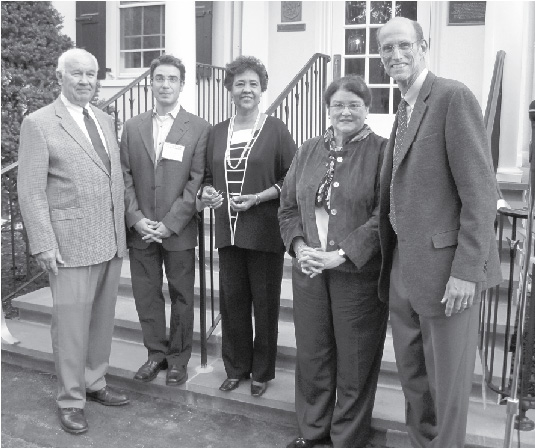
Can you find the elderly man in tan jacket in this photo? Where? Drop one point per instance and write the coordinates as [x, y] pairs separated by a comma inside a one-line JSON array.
[[71, 195]]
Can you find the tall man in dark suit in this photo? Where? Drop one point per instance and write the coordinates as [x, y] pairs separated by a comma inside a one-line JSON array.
[[163, 157], [438, 205], [71, 195]]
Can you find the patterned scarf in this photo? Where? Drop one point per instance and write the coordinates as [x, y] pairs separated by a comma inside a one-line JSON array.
[[323, 195]]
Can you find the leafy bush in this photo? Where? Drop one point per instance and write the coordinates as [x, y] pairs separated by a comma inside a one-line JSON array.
[[31, 44]]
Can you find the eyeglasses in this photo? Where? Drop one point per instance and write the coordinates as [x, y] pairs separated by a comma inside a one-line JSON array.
[[352, 107], [403, 47], [158, 79]]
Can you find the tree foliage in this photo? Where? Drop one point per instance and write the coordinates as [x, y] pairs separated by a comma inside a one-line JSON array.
[[31, 44]]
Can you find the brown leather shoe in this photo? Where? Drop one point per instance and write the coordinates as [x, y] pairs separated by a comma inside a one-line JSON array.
[[108, 397], [257, 390], [73, 420], [149, 370], [176, 375], [229, 384]]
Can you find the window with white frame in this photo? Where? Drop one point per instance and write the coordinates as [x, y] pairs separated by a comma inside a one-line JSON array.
[[361, 49], [142, 34]]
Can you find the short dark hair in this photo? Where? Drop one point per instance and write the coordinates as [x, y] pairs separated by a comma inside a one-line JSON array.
[[350, 83], [417, 29], [168, 59], [240, 65]]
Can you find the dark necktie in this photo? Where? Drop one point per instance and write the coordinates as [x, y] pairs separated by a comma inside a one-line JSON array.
[[98, 146], [400, 134]]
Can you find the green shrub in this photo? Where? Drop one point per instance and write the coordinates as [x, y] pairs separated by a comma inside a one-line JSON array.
[[31, 44]]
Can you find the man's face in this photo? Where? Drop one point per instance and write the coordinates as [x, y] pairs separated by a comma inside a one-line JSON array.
[[166, 85], [402, 65], [79, 81]]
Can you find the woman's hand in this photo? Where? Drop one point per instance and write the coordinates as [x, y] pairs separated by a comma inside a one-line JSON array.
[[211, 197], [317, 260], [241, 203]]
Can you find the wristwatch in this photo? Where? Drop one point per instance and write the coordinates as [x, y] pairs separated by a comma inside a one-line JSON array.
[[342, 253]]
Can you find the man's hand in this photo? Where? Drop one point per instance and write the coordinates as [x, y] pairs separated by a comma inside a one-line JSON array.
[[49, 260], [145, 227], [459, 295], [162, 231]]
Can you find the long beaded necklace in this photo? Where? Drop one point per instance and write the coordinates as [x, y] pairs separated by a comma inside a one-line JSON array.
[[246, 148]]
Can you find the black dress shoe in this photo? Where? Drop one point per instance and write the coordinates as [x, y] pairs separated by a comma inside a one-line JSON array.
[[108, 397], [229, 384], [149, 370], [307, 443], [73, 420], [176, 375], [257, 390]]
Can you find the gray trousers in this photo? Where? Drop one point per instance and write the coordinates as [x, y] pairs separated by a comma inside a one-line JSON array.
[[82, 327], [435, 357]]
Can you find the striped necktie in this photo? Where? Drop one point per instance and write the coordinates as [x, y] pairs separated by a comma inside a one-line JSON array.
[[98, 146], [400, 134]]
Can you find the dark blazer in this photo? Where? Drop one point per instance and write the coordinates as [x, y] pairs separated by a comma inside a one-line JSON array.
[[68, 199], [354, 198], [445, 196], [167, 192]]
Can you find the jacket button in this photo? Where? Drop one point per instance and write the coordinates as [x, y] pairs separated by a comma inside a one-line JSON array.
[[333, 211], [336, 184], [331, 243]]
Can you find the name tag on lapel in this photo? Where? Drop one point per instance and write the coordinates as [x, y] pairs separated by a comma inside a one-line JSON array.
[[172, 152]]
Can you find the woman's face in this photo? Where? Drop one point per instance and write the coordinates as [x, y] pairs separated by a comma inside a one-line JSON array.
[[246, 91], [347, 112]]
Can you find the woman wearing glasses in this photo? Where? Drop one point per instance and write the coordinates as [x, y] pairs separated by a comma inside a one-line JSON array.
[[247, 159], [328, 220]]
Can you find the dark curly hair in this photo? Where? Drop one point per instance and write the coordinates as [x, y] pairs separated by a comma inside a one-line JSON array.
[[351, 83], [168, 59], [240, 65]]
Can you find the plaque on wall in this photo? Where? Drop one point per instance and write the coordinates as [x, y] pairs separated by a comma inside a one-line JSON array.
[[291, 11], [466, 13], [291, 27]]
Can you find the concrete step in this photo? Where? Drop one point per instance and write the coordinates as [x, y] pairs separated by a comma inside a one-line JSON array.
[[486, 424], [37, 307]]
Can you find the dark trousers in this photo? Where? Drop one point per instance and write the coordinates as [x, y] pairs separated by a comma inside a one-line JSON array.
[[249, 278], [435, 357], [147, 280], [340, 328]]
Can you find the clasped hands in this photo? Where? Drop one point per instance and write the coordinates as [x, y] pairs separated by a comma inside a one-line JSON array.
[[313, 261], [152, 230], [214, 199]]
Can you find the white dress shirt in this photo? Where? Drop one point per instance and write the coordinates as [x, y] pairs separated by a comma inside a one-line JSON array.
[[412, 94], [161, 125]]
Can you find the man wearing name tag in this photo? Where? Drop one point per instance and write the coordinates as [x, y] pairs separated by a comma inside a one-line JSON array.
[[163, 156]]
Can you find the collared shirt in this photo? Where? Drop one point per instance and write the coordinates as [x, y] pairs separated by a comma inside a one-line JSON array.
[[412, 94], [161, 125], [77, 113]]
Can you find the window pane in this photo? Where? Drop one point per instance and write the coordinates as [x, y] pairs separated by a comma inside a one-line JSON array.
[[151, 42], [380, 12], [407, 9], [131, 43], [380, 98], [148, 56], [355, 67], [397, 99], [151, 22], [131, 21], [356, 41], [355, 13], [131, 60], [374, 45], [377, 72]]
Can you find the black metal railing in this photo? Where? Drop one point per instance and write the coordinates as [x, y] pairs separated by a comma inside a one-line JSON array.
[[214, 101], [498, 319], [300, 105], [16, 247]]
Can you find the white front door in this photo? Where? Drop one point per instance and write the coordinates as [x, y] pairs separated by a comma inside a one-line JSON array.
[[354, 31]]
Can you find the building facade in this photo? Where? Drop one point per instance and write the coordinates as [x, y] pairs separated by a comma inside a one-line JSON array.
[[463, 37]]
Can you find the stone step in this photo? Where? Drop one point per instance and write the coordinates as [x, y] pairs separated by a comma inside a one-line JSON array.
[[37, 307], [486, 423]]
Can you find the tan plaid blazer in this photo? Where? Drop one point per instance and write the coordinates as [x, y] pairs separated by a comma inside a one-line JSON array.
[[67, 198]]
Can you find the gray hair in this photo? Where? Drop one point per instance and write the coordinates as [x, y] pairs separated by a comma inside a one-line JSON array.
[[73, 52]]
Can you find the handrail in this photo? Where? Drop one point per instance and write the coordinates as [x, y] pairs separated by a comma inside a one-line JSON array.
[[10, 167], [295, 80], [125, 89]]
